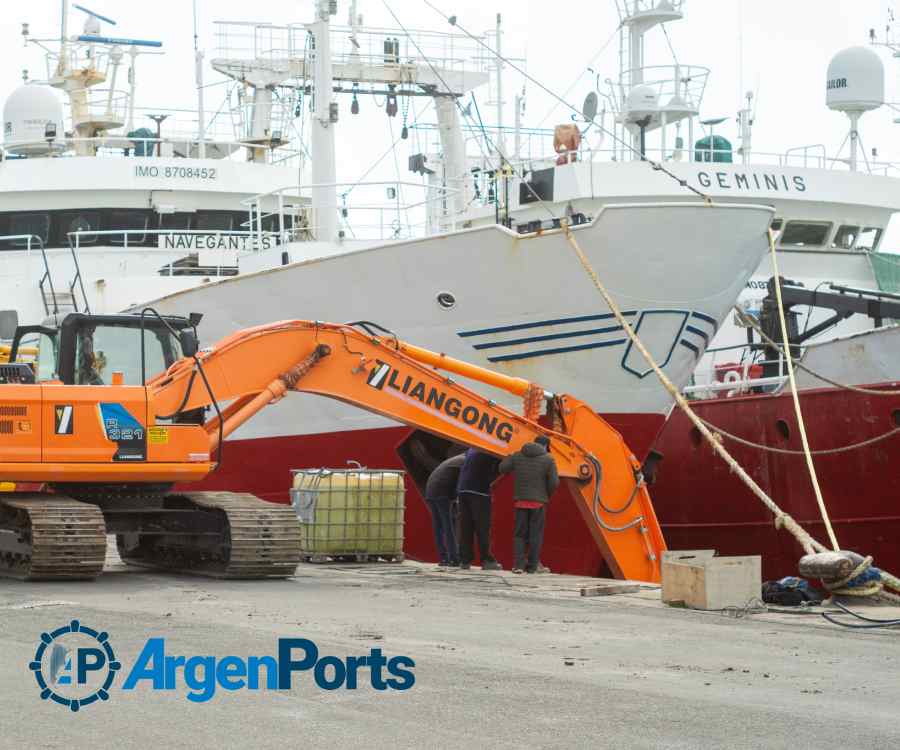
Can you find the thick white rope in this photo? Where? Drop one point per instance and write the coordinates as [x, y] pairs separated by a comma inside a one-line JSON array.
[[782, 519], [789, 361]]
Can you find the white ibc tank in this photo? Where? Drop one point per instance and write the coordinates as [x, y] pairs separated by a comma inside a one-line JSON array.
[[855, 81], [26, 114]]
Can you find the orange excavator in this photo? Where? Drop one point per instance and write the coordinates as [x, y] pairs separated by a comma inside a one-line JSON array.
[[104, 444]]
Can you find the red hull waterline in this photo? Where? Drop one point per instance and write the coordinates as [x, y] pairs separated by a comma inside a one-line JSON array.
[[699, 502], [262, 466]]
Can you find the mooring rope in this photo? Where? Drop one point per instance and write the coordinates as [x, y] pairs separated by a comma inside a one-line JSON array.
[[794, 452], [789, 361], [782, 519]]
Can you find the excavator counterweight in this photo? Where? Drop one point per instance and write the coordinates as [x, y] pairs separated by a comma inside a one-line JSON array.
[[119, 443]]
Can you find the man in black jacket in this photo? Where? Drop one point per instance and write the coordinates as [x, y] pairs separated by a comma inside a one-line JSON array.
[[440, 492], [478, 472], [536, 479]]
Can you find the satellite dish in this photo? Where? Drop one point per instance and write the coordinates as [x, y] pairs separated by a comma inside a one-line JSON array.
[[589, 108]]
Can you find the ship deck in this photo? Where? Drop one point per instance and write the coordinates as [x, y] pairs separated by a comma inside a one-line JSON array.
[[502, 661]]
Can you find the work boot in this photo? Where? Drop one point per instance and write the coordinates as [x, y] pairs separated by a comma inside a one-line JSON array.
[[491, 565]]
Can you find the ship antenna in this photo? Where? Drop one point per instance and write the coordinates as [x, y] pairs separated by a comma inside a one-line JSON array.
[[198, 75]]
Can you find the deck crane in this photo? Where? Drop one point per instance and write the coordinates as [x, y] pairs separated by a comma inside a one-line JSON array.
[[107, 453]]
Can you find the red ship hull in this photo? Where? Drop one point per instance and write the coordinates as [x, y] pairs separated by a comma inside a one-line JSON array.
[[700, 504], [262, 466]]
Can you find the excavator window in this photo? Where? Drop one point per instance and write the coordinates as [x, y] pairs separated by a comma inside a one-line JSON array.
[[104, 349], [39, 349]]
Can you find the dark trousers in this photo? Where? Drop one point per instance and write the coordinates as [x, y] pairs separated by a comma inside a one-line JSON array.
[[474, 522], [530, 534], [444, 528]]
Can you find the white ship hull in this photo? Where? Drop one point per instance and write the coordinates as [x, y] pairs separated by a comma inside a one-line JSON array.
[[523, 303]]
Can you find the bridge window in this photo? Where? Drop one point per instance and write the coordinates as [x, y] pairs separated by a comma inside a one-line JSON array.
[[219, 221], [133, 221], [806, 233], [869, 239], [175, 221], [845, 237], [32, 223], [78, 221]]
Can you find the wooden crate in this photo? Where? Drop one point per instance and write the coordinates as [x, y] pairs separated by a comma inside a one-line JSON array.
[[700, 580]]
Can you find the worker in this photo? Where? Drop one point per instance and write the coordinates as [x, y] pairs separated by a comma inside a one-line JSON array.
[[536, 479], [440, 493], [477, 474]]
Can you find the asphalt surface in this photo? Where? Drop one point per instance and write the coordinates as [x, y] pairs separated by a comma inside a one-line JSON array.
[[501, 661]]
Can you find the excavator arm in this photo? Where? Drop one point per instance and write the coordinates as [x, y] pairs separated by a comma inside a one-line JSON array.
[[253, 368]]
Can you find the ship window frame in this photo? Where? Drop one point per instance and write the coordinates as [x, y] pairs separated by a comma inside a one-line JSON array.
[[187, 217], [23, 243], [826, 226], [856, 231], [65, 217], [132, 239], [879, 233], [200, 216]]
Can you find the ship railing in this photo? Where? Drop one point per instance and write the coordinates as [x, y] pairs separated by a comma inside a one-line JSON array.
[[217, 249], [121, 146], [803, 157], [733, 371], [377, 210], [679, 88], [280, 47], [105, 107]]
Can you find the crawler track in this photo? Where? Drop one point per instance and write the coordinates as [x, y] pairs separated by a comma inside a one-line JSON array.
[[50, 538], [218, 534]]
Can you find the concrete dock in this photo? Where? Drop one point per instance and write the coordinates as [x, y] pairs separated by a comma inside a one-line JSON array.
[[501, 661]]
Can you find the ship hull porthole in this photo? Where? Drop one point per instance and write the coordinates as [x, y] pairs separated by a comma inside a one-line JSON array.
[[446, 300]]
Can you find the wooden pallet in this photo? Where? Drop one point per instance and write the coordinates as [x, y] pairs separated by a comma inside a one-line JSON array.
[[354, 557]]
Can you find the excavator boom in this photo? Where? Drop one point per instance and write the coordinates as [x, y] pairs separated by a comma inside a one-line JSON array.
[[147, 434]]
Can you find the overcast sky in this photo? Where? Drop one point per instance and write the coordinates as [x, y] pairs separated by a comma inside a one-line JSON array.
[[786, 48]]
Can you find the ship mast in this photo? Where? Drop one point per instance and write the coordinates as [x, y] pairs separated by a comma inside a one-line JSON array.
[[324, 171]]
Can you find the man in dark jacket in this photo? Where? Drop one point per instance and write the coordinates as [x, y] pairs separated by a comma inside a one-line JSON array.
[[478, 472], [440, 492], [536, 479]]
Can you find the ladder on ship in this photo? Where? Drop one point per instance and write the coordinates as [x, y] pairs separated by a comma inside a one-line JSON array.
[[59, 302]]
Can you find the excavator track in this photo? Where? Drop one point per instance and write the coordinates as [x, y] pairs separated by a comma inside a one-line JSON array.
[[219, 534], [50, 538]]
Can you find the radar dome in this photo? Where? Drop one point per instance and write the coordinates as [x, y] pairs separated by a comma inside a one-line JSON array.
[[855, 81], [26, 114], [642, 102]]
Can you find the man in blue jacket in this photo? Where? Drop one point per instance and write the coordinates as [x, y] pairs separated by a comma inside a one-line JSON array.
[[478, 472]]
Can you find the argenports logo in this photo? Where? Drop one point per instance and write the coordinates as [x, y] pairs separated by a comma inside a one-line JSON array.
[[75, 666]]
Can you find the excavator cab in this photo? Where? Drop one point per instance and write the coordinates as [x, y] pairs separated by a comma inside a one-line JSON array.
[[85, 349]]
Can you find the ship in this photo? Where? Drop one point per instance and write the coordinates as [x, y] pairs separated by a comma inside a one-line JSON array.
[[468, 253]]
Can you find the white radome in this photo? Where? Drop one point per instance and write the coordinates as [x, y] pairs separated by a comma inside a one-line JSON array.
[[855, 81], [26, 114], [642, 102]]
